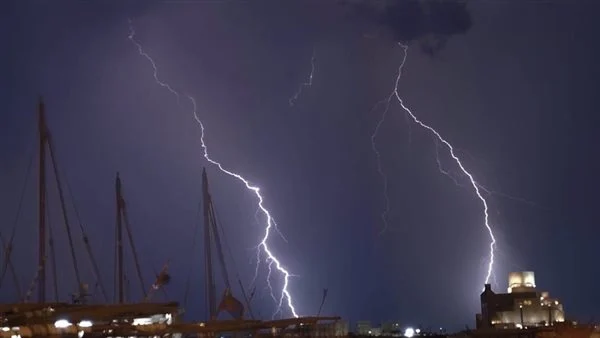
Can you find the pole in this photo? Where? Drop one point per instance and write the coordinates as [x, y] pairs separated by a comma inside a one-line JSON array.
[[210, 279], [42, 203], [521, 312]]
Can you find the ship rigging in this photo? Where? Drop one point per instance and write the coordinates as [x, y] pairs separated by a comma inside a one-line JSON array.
[[85, 314]]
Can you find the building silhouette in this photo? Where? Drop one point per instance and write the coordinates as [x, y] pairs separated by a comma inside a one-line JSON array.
[[521, 307]]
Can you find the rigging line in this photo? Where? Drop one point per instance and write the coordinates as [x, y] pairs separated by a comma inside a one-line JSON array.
[[194, 244], [220, 227], [22, 198], [225, 241], [52, 254], [8, 246], [63, 208], [217, 239], [9, 265], [88, 247], [34, 281], [133, 249]]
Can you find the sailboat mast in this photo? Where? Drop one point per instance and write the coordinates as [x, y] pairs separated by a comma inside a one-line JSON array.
[[210, 279], [42, 132]]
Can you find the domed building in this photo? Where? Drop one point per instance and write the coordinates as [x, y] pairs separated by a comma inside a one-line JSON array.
[[522, 306]]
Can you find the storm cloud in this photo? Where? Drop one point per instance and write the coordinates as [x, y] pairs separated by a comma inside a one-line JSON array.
[[428, 23]]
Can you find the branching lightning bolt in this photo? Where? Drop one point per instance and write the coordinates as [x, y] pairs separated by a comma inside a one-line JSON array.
[[441, 168], [308, 83], [384, 178], [473, 183], [270, 223], [483, 188], [269, 262]]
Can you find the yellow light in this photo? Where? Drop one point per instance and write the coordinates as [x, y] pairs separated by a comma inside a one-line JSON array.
[[85, 323], [62, 323]]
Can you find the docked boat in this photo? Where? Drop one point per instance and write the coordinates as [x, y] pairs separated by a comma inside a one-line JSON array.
[[93, 314]]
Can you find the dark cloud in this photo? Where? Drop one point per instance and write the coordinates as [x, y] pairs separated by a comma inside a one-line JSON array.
[[429, 23]]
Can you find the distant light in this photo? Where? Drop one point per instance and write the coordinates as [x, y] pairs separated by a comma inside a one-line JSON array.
[[5, 329], [417, 331], [80, 334], [85, 323], [62, 323], [141, 321], [409, 332]]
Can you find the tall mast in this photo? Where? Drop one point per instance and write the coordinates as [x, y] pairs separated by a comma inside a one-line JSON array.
[[210, 279], [119, 242], [211, 233], [42, 132]]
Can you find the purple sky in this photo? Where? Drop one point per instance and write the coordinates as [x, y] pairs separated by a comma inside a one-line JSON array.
[[516, 95]]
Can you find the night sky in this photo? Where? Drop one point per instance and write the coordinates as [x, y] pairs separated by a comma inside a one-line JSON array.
[[512, 88]]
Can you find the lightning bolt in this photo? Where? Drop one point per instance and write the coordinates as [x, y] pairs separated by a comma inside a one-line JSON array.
[[444, 171], [278, 303], [476, 187], [384, 178], [483, 188], [270, 223], [308, 83]]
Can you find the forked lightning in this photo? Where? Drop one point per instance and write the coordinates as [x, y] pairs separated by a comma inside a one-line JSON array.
[[270, 223], [379, 165], [476, 187], [308, 83]]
